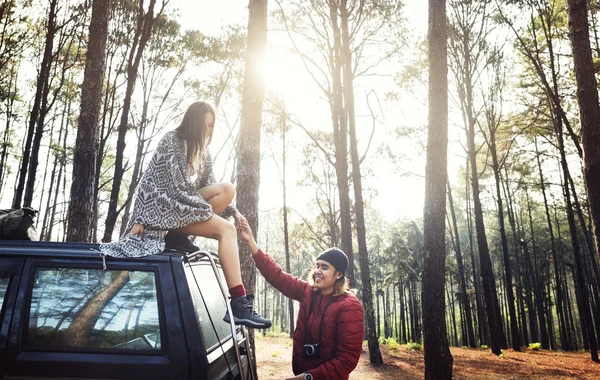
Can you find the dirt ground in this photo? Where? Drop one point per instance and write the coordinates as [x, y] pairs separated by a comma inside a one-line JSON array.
[[274, 355]]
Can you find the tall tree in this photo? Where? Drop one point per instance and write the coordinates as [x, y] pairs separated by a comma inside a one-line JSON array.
[[62, 60], [589, 109], [493, 120], [318, 25], [589, 113], [80, 215], [365, 273], [144, 25], [42, 89], [464, 296], [438, 359], [248, 151], [468, 50]]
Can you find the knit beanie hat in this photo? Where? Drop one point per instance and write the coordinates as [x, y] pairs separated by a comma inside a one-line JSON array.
[[335, 257]]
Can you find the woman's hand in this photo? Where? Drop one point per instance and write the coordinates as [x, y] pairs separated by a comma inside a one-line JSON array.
[[239, 218], [137, 229]]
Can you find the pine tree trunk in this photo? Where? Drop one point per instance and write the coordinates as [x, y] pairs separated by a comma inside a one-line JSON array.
[[580, 283], [492, 305], [59, 180], [248, 153], [80, 215], [41, 89], [538, 281], [461, 275], [438, 359], [286, 237], [365, 274], [514, 329], [564, 341], [142, 35], [12, 95], [452, 311], [520, 277], [340, 138], [80, 329], [403, 322], [55, 160], [482, 329], [589, 109]]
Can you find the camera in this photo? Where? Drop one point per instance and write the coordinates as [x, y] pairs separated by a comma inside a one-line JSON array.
[[311, 350]]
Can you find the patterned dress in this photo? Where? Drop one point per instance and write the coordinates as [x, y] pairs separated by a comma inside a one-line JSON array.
[[167, 199]]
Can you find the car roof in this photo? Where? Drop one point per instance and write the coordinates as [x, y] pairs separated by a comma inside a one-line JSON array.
[[66, 250]]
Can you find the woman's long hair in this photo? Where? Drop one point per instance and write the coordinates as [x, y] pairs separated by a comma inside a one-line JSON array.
[[194, 131], [341, 284]]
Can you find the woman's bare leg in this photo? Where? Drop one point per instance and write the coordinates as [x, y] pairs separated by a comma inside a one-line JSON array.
[[219, 195], [224, 232]]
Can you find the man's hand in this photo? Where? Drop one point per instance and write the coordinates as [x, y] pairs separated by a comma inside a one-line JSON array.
[[245, 233], [299, 377], [137, 229]]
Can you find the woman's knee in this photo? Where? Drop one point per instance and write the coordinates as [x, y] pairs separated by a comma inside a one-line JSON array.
[[228, 191], [227, 230]]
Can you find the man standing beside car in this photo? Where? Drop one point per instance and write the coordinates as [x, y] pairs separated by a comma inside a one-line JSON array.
[[329, 329]]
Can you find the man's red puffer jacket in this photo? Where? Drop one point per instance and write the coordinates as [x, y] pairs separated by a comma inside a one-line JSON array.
[[342, 325]]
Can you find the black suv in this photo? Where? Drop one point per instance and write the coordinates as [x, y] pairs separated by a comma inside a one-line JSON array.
[[62, 315]]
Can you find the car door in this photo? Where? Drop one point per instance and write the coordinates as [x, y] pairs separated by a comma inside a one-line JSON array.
[[10, 275], [75, 320], [209, 305]]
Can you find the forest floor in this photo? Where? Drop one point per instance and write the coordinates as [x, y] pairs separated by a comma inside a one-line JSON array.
[[274, 356]]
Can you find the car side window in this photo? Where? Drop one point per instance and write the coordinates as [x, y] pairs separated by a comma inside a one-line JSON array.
[[209, 304], [4, 280], [94, 308]]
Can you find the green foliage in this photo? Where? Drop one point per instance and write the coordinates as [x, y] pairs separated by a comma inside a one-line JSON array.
[[391, 343], [485, 347], [414, 346], [535, 346]]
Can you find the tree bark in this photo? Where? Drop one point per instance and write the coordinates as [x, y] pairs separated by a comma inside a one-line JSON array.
[[340, 137], [564, 340], [80, 215], [514, 329], [248, 151], [41, 88], [286, 235], [461, 275], [10, 101], [365, 273], [140, 40], [83, 323], [580, 283], [438, 359], [589, 109]]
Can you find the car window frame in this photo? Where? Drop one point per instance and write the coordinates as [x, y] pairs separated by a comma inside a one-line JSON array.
[[7, 293], [216, 350]]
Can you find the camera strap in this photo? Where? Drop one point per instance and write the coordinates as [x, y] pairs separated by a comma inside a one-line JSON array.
[[312, 306]]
